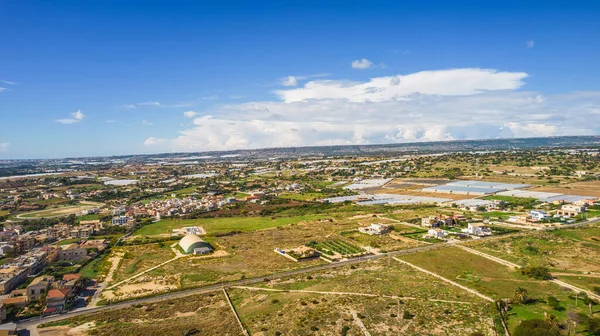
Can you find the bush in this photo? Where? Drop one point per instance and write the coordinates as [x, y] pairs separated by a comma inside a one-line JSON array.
[[537, 272], [536, 327], [407, 315], [553, 303]]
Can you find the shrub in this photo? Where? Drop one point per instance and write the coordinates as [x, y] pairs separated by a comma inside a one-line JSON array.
[[536, 327], [407, 315]]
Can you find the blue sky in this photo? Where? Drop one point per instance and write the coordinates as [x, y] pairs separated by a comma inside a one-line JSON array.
[[86, 78]]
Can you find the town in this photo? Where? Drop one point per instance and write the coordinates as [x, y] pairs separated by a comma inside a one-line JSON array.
[[81, 241]]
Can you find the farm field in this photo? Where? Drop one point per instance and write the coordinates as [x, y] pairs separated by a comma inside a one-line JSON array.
[[335, 294], [575, 250], [207, 313], [221, 225], [382, 243], [59, 211], [585, 188], [498, 282]]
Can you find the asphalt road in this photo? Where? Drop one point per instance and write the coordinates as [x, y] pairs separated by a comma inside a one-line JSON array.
[[31, 323]]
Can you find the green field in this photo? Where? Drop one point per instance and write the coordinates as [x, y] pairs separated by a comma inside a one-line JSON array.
[[303, 196], [339, 246], [498, 214], [497, 281], [222, 225]]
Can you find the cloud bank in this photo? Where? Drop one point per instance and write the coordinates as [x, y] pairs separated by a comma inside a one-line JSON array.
[[423, 106]]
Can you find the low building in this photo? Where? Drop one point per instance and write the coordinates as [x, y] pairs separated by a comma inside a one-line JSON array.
[[57, 298], [7, 329], [437, 233], [375, 229], [191, 242], [120, 220], [72, 252], [570, 210], [538, 215], [477, 229], [38, 287]]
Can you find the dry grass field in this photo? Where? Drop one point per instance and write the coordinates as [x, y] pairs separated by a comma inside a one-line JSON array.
[[208, 313]]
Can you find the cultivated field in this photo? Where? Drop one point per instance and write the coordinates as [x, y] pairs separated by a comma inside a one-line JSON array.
[[59, 211], [221, 225]]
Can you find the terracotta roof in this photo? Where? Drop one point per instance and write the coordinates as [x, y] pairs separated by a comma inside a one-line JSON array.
[[57, 293], [15, 300], [72, 276]]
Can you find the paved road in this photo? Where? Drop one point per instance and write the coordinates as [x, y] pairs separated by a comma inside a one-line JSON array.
[[33, 322]]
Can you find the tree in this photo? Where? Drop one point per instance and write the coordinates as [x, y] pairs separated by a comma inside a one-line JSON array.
[[536, 327], [553, 302], [521, 295]]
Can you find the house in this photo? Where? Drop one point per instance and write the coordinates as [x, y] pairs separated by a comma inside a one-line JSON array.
[[437, 233], [570, 210], [538, 215], [7, 329], [38, 287], [375, 229], [72, 252], [437, 221], [57, 298], [477, 229]]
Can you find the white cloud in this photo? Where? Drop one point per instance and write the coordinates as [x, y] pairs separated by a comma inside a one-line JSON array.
[[293, 80], [454, 82], [289, 81], [147, 123], [4, 146], [210, 97], [190, 114], [76, 117], [530, 43], [7, 82], [423, 106], [155, 104], [3, 89], [110, 121], [361, 64]]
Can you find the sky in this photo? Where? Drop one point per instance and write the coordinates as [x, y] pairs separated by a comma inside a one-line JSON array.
[[95, 78]]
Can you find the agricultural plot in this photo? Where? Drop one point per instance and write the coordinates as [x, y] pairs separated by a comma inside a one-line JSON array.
[[498, 282], [209, 314], [57, 211], [336, 247], [215, 226], [379, 295], [380, 243]]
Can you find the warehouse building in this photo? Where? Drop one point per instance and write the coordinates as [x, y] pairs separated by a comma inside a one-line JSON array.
[[194, 244]]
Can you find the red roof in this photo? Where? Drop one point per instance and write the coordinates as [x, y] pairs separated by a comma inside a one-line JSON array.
[[71, 276], [57, 293]]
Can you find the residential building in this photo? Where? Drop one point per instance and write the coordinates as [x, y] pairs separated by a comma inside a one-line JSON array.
[[72, 252], [38, 287], [437, 233], [375, 229], [477, 229], [538, 215], [570, 210], [120, 220], [57, 298]]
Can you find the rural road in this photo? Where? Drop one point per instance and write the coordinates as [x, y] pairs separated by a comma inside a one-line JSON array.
[[32, 323]]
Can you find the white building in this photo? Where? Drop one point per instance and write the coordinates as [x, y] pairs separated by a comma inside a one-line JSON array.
[[437, 233], [477, 229], [120, 220], [538, 215], [375, 229]]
